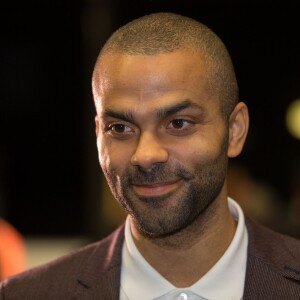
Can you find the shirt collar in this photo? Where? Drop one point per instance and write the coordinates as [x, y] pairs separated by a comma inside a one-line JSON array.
[[225, 280]]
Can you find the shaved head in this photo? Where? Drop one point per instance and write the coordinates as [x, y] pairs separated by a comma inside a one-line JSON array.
[[167, 32]]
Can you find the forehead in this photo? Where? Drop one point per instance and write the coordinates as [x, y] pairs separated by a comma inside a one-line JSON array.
[[149, 72], [128, 79]]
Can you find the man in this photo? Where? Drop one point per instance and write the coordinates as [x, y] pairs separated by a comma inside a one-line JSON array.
[[168, 119]]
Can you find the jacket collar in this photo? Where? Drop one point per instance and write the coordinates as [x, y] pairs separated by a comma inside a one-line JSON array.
[[273, 263]]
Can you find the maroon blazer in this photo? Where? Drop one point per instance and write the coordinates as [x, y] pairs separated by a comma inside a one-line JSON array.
[[93, 272]]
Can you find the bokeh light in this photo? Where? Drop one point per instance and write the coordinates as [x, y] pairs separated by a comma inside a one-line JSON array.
[[293, 118]]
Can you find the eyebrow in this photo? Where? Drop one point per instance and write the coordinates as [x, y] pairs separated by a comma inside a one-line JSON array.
[[161, 113], [175, 108], [126, 115]]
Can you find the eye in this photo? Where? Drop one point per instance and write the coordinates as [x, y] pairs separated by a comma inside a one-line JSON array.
[[178, 124], [119, 129]]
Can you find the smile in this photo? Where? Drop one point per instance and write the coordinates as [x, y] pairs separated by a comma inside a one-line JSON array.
[[156, 189]]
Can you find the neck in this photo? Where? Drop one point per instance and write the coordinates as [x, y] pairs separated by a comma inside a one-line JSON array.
[[183, 258]]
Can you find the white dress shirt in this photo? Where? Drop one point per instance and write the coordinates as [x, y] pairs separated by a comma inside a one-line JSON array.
[[224, 281]]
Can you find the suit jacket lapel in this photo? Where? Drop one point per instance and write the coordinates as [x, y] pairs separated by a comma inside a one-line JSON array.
[[100, 278], [273, 272]]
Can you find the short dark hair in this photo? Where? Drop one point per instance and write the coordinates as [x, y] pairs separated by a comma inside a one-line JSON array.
[[167, 32]]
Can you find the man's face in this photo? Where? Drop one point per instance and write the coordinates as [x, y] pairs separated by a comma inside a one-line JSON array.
[[161, 138]]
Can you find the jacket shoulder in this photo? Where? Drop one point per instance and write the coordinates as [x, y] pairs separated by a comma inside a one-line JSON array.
[[58, 278], [273, 264], [262, 240]]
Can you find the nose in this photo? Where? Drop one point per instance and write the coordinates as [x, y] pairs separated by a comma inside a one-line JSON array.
[[149, 151]]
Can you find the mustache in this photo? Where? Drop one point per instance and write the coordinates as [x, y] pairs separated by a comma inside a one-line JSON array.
[[157, 174]]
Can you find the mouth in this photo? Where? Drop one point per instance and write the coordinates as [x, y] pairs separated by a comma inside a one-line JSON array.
[[156, 189]]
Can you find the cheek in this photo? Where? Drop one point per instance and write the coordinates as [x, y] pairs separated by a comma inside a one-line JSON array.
[[195, 151], [103, 154], [113, 156]]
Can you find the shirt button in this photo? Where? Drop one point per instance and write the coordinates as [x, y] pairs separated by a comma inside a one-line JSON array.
[[183, 296]]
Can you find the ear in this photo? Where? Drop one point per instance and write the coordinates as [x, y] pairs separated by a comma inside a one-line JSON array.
[[238, 129], [97, 125]]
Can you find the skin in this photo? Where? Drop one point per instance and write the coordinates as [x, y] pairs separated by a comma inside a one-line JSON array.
[[163, 146]]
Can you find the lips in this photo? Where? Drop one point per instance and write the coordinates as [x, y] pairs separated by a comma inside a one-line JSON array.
[[156, 189]]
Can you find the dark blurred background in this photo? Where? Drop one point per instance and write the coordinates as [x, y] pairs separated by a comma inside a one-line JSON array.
[[50, 182]]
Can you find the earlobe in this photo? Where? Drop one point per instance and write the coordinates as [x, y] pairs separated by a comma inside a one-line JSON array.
[[238, 129]]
